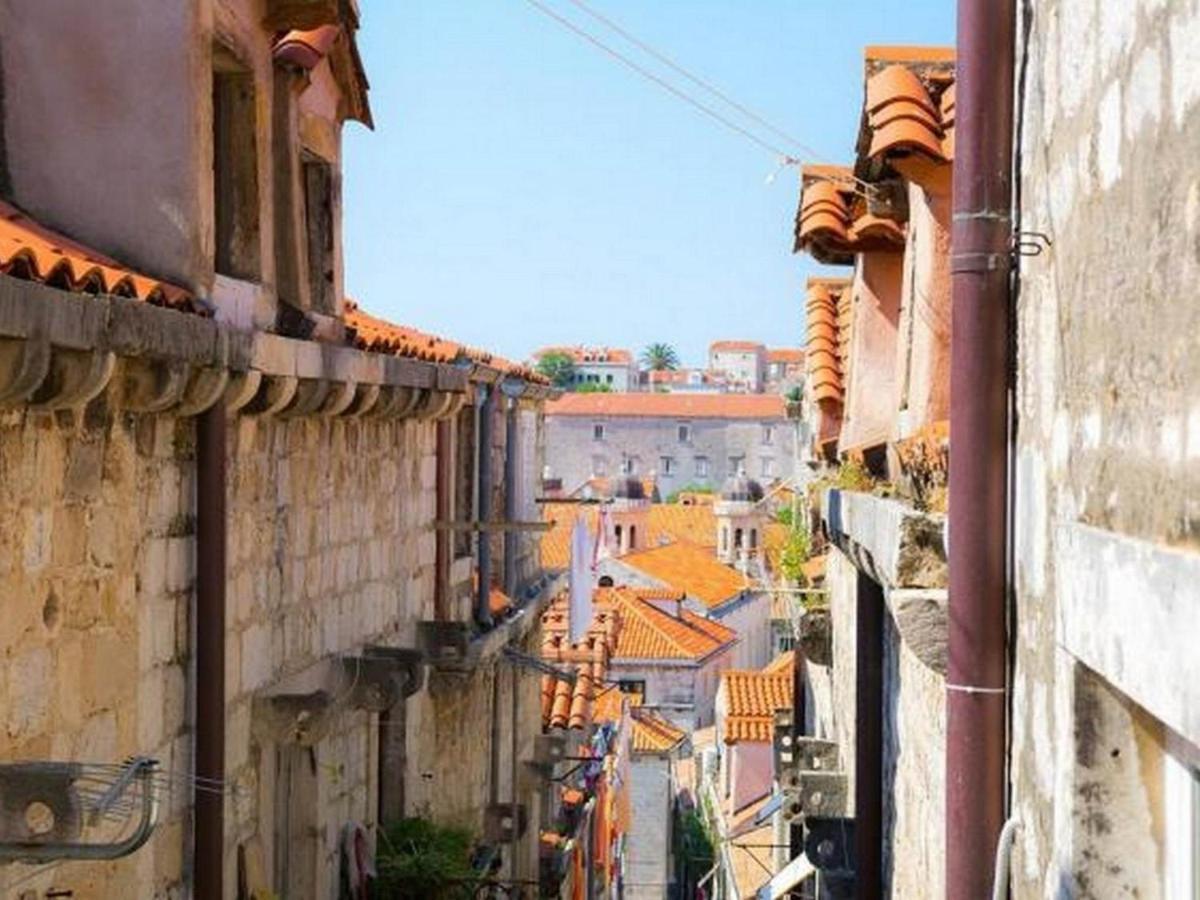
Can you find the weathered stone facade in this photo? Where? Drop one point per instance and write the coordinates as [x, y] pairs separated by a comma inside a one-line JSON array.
[[1104, 756]]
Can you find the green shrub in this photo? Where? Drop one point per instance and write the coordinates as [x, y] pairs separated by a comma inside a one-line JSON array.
[[418, 860]]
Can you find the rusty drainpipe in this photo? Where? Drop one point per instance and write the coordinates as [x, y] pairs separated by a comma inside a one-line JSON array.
[[979, 423], [209, 805], [511, 444], [487, 415]]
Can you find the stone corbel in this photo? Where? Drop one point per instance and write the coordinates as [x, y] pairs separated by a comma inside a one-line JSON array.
[[153, 385], [366, 396], [339, 399], [440, 405], [302, 719], [308, 398], [920, 615], [75, 378], [24, 365], [394, 400], [274, 394], [242, 388], [815, 636], [204, 391]]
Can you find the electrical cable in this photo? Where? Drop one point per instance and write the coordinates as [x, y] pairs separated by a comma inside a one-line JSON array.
[[712, 89], [661, 82]]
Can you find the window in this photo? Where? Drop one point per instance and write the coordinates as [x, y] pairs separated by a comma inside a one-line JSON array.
[[608, 378], [632, 686], [753, 538], [605, 581], [633, 545], [617, 532], [737, 539], [598, 432], [702, 466], [685, 433], [235, 168], [768, 434], [318, 218], [767, 467], [629, 465], [736, 464], [666, 465]]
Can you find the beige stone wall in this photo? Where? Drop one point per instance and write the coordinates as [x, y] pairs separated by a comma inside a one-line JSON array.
[[329, 550], [96, 569], [914, 739], [1109, 442]]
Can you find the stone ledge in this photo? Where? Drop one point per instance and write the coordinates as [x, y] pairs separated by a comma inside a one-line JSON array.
[[60, 350], [890, 541], [1130, 611]]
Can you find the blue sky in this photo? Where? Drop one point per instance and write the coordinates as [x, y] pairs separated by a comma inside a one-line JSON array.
[[522, 188]]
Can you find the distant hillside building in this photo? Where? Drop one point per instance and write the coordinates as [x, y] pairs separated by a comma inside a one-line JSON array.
[[608, 367], [785, 369], [743, 363], [683, 439], [687, 381]]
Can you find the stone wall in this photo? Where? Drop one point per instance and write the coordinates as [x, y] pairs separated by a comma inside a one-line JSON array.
[[329, 549], [914, 738], [96, 569], [574, 455], [648, 846], [1108, 455]]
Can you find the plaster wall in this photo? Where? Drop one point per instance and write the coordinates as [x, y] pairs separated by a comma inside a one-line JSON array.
[[105, 137], [1109, 443], [751, 620], [747, 366], [922, 379], [574, 455], [751, 772], [876, 289]]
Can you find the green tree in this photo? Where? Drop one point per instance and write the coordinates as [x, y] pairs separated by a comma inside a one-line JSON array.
[[558, 367], [660, 358]]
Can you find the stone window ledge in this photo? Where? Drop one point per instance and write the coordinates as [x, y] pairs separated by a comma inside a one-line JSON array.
[[1130, 610]]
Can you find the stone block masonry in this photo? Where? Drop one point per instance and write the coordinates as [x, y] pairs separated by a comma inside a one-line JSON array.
[[96, 571]]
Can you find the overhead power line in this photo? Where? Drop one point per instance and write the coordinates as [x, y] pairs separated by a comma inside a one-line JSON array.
[[667, 61], [784, 157], [661, 82]]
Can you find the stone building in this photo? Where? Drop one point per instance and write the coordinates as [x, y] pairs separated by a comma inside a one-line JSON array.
[[684, 440], [607, 368], [240, 515], [1085, 781], [742, 363], [785, 369]]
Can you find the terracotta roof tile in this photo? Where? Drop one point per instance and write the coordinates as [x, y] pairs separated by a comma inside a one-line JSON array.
[[33, 252], [787, 355], [667, 523], [680, 406], [368, 332], [735, 346], [832, 222], [643, 629], [752, 697], [690, 568], [654, 734], [901, 114], [307, 48], [823, 353]]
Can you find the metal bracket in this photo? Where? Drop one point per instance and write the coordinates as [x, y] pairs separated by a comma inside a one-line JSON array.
[[504, 822], [1030, 243], [814, 794], [783, 741], [42, 806]]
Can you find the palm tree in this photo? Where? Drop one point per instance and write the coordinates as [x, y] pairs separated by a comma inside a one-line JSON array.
[[660, 357]]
